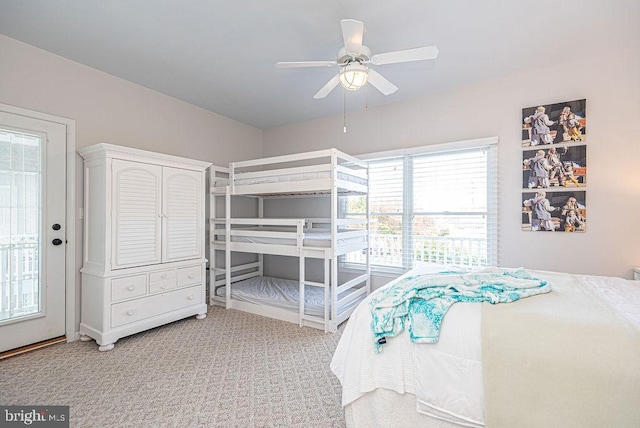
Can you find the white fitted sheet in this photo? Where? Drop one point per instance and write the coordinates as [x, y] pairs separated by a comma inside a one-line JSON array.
[[279, 293]]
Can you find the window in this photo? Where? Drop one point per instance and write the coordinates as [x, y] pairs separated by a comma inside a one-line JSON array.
[[436, 206]]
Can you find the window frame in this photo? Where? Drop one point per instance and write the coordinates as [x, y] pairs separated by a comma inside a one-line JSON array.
[[407, 155]]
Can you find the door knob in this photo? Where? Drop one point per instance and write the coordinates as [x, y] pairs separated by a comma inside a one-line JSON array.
[[55, 226], [56, 241]]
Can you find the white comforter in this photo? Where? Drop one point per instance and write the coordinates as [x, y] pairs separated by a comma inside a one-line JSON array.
[[448, 383], [445, 377]]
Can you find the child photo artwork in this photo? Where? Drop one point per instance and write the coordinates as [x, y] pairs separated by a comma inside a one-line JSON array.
[[564, 122], [554, 211], [554, 167]]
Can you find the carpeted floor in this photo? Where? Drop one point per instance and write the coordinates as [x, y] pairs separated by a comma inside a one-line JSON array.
[[232, 369]]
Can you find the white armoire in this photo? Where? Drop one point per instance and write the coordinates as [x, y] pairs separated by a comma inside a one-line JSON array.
[[143, 258]]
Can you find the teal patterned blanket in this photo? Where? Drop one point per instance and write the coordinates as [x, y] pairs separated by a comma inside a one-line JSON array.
[[421, 301]]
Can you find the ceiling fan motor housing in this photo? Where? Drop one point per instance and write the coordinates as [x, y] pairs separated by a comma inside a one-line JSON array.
[[349, 54]]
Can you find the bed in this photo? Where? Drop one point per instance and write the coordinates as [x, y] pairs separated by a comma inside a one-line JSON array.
[[320, 303], [568, 358], [280, 293]]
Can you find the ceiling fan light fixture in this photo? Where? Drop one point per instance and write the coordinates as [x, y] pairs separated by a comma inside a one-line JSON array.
[[353, 76]]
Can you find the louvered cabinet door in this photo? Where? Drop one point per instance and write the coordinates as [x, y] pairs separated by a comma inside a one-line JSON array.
[[182, 229], [136, 214]]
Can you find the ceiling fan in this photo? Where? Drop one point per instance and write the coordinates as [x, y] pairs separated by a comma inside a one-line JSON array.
[[354, 60]]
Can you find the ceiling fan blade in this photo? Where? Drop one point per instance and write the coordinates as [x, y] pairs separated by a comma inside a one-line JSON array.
[[352, 32], [331, 84], [301, 64], [381, 83], [417, 54]]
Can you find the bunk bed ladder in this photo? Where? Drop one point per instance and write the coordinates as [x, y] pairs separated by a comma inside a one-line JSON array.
[[327, 294], [261, 255], [227, 251], [301, 280], [334, 240]]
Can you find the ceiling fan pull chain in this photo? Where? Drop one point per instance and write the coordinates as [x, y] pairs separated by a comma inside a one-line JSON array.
[[366, 96], [344, 110]]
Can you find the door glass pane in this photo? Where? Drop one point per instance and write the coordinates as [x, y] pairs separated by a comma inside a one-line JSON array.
[[20, 215]]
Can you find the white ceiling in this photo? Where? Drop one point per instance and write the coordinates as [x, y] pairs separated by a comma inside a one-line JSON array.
[[220, 55]]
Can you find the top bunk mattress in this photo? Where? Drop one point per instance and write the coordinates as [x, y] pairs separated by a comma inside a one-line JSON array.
[[283, 178]]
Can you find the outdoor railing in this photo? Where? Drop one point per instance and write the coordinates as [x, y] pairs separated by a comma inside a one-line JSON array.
[[19, 281], [386, 250], [19, 290]]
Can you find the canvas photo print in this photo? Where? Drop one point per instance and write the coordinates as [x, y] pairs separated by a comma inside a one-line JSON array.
[[554, 166], [554, 211], [564, 122]]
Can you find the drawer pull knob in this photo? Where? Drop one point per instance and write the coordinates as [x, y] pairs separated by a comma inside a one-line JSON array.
[[131, 287], [130, 312], [191, 276], [163, 287], [164, 275], [190, 297]]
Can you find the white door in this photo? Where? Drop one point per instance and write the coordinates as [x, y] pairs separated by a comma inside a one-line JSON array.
[[32, 230], [182, 213], [137, 214]]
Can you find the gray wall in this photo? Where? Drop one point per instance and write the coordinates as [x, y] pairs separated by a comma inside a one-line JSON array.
[[112, 110], [109, 109], [611, 85]]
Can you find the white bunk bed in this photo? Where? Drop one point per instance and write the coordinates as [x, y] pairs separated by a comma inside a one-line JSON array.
[[323, 304]]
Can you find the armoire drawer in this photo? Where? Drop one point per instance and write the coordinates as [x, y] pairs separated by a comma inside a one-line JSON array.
[[162, 286], [147, 307], [162, 281], [163, 275], [128, 287], [189, 275]]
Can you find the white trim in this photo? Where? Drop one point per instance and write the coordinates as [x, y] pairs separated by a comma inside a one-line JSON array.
[[493, 206], [380, 270], [70, 247], [439, 147], [405, 155], [102, 150]]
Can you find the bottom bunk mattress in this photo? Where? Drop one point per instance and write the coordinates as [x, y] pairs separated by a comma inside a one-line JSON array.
[[280, 293]]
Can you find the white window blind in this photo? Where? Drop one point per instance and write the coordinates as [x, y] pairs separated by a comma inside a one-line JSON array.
[[434, 207]]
